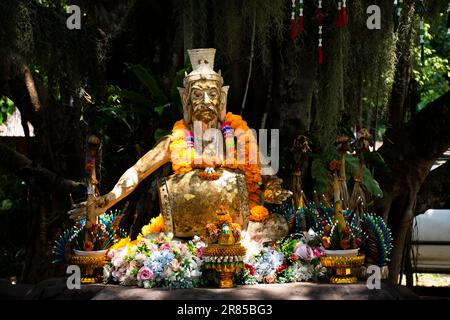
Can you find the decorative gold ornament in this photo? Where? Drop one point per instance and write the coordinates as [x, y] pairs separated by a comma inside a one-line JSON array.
[[345, 268], [224, 250], [91, 267], [224, 254], [225, 260]]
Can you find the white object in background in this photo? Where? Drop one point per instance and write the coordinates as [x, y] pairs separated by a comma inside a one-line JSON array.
[[433, 241]]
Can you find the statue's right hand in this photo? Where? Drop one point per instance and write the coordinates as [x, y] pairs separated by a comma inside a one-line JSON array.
[[78, 211]]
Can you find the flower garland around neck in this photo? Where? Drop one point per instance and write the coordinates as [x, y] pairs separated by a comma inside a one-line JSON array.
[[182, 152]]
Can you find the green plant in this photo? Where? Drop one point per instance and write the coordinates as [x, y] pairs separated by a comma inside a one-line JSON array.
[[432, 74], [7, 108]]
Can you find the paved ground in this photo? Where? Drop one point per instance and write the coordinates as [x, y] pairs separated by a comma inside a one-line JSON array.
[[56, 289]]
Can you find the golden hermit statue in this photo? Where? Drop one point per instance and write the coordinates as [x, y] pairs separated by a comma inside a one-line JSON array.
[[214, 157]]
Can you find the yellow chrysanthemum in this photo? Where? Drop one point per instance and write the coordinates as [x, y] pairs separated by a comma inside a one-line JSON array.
[[121, 243], [156, 225]]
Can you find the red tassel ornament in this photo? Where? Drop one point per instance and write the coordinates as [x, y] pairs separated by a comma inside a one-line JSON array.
[[300, 18], [344, 14], [300, 25], [293, 30], [293, 22], [339, 15]]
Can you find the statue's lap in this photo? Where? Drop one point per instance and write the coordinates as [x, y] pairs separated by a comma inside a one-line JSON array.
[[188, 202]]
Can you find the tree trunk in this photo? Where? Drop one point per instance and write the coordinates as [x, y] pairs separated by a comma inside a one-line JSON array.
[[432, 193], [410, 153]]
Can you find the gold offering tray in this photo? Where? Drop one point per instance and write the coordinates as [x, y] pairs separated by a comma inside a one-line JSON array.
[[91, 267], [344, 267]]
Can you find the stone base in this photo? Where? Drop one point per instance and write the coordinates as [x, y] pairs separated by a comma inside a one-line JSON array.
[[56, 289], [274, 228]]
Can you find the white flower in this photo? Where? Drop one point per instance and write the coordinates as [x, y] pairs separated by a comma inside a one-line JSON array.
[[168, 272], [169, 236], [140, 258], [106, 273], [195, 273]]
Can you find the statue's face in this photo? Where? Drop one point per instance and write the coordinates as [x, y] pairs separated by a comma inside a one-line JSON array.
[[205, 100]]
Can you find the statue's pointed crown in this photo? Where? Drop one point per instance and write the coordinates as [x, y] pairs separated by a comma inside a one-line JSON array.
[[202, 61]]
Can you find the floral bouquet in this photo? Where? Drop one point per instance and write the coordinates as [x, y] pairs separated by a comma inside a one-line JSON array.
[[293, 259], [156, 261]]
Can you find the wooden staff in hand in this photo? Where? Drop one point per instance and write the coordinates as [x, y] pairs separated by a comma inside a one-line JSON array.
[[92, 190]]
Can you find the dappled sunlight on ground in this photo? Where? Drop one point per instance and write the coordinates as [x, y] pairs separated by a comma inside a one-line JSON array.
[[430, 280]]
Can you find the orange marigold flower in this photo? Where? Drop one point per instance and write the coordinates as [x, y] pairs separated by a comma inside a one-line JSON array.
[[334, 165], [88, 246], [326, 241], [259, 213], [235, 226]]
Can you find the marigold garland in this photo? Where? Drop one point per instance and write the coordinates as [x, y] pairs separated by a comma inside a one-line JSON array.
[[183, 152]]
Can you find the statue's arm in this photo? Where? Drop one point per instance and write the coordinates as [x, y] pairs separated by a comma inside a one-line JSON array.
[[145, 166]]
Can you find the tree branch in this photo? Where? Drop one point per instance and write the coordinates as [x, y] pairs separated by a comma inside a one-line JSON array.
[[14, 162], [433, 193]]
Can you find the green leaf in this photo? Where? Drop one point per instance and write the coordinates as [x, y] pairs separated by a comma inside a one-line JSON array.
[[351, 165], [6, 204], [134, 97], [160, 109], [335, 238], [320, 175], [150, 82], [370, 183], [159, 133], [375, 160]]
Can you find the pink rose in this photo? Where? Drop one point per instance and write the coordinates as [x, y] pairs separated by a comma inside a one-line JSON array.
[[304, 252], [200, 252], [182, 248], [166, 246], [145, 273], [317, 252]]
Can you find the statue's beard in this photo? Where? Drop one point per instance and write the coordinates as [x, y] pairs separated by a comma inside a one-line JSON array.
[[205, 113]]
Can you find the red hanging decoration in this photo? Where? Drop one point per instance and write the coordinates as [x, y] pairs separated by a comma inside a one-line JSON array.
[[293, 30], [300, 18], [300, 25], [339, 23], [293, 22], [344, 14], [319, 17]]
